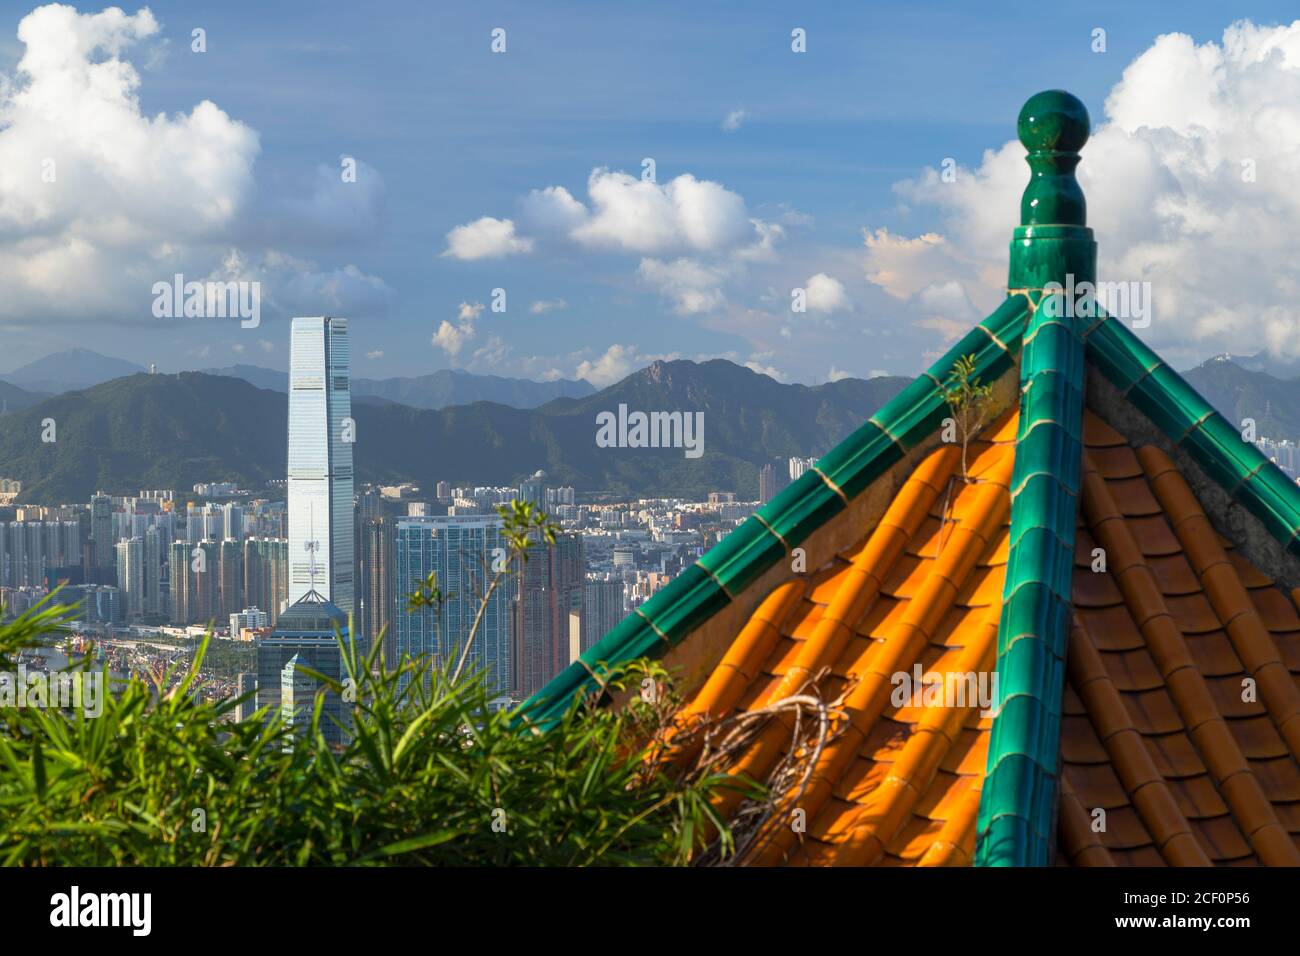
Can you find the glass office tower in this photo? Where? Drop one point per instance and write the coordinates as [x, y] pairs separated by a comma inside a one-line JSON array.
[[320, 462], [462, 550]]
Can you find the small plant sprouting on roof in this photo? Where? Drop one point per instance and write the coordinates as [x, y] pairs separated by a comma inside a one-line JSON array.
[[971, 404]]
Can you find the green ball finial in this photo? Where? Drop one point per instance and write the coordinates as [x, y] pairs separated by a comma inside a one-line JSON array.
[[1053, 126], [1053, 120]]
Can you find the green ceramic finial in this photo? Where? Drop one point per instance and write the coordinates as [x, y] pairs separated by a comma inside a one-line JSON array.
[[1053, 241], [1053, 126]]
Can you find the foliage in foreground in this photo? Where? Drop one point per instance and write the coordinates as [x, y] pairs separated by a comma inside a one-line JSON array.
[[163, 779]]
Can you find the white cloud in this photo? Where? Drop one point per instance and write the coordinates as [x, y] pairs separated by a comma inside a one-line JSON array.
[[616, 363], [734, 120], [486, 238], [769, 370], [694, 235], [823, 293], [237, 348], [1163, 174], [686, 213], [542, 306], [837, 375], [693, 287], [376, 354], [266, 345], [99, 201], [452, 337], [552, 210]]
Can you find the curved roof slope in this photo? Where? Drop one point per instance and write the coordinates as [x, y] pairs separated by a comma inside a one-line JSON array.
[[1112, 567], [1182, 702], [923, 588]]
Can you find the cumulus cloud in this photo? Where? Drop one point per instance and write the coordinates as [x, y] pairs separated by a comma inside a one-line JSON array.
[[376, 354], [552, 211], [632, 215], [99, 201], [734, 120], [837, 375], [451, 337], [616, 363], [692, 234], [822, 293], [486, 238], [1190, 177]]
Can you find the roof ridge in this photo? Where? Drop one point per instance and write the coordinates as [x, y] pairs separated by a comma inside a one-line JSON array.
[[1052, 248], [786, 521]]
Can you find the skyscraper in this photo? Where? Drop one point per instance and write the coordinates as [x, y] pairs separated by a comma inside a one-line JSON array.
[[305, 631], [548, 591], [320, 462], [603, 606], [462, 550], [178, 566], [266, 583], [101, 529], [130, 576], [230, 585], [375, 580]]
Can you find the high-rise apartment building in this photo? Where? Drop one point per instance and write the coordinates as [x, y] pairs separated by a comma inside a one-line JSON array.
[[130, 576], [232, 521], [603, 604], [101, 529], [533, 488], [204, 583], [178, 574], [375, 595], [156, 542], [230, 585], [771, 479], [321, 432], [546, 612], [462, 550], [266, 575]]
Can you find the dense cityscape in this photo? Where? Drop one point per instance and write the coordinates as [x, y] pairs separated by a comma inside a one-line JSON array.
[[153, 571]]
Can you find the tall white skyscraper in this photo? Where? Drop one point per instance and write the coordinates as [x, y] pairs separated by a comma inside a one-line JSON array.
[[320, 461]]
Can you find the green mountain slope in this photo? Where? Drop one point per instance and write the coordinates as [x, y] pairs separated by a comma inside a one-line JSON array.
[[1240, 393], [171, 431]]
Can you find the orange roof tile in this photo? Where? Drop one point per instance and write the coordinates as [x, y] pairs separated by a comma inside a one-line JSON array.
[[1162, 760]]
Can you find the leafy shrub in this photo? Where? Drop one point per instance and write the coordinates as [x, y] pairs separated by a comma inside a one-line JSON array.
[[162, 777]]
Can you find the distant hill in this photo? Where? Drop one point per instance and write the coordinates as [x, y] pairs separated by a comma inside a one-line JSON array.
[[172, 431], [69, 370], [13, 398], [1238, 393], [435, 390]]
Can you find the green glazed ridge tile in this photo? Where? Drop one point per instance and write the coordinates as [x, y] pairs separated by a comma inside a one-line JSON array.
[[743, 555], [685, 601], [1280, 488], [804, 505]]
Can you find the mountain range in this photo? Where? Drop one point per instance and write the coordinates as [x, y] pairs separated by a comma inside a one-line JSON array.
[[172, 431], [76, 369], [1239, 393], [435, 390]]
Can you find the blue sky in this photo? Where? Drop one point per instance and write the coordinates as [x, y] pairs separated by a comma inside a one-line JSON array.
[[447, 132]]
